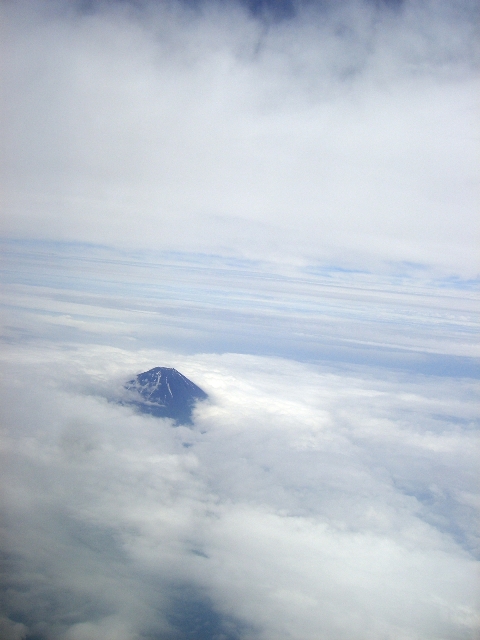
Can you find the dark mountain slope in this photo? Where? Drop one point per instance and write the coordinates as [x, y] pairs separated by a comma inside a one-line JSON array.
[[165, 393]]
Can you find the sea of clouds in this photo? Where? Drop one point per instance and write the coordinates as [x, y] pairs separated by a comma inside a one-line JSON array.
[[302, 504]]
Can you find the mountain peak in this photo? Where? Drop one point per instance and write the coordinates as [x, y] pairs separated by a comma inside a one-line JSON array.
[[166, 393]]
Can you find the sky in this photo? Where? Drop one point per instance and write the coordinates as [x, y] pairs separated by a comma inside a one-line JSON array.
[[278, 199]]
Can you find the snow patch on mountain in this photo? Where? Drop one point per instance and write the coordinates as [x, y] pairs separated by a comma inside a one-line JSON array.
[[165, 393]]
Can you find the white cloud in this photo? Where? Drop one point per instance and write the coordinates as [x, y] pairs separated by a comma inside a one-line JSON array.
[[303, 504], [339, 135], [408, 318]]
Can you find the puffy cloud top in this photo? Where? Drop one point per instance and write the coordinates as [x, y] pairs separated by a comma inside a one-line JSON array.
[[322, 130]]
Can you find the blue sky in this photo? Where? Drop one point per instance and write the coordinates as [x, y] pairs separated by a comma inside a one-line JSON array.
[[280, 200]]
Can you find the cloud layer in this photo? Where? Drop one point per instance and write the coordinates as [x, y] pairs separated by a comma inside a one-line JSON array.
[[303, 503], [406, 318], [343, 131]]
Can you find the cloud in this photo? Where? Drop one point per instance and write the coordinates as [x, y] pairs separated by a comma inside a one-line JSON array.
[[278, 200], [343, 131], [406, 317], [303, 503]]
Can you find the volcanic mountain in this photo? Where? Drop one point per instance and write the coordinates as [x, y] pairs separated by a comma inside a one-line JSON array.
[[164, 393]]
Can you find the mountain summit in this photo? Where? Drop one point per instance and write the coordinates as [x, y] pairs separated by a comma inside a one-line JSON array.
[[165, 393]]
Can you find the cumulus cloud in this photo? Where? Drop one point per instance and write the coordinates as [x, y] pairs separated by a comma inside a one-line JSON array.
[[337, 131], [302, 504]]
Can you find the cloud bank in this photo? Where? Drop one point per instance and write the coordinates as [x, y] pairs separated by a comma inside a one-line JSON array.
[[342, 131], [302, 504]]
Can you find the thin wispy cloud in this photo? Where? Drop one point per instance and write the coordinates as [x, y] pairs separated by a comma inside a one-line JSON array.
[[408, 318]]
